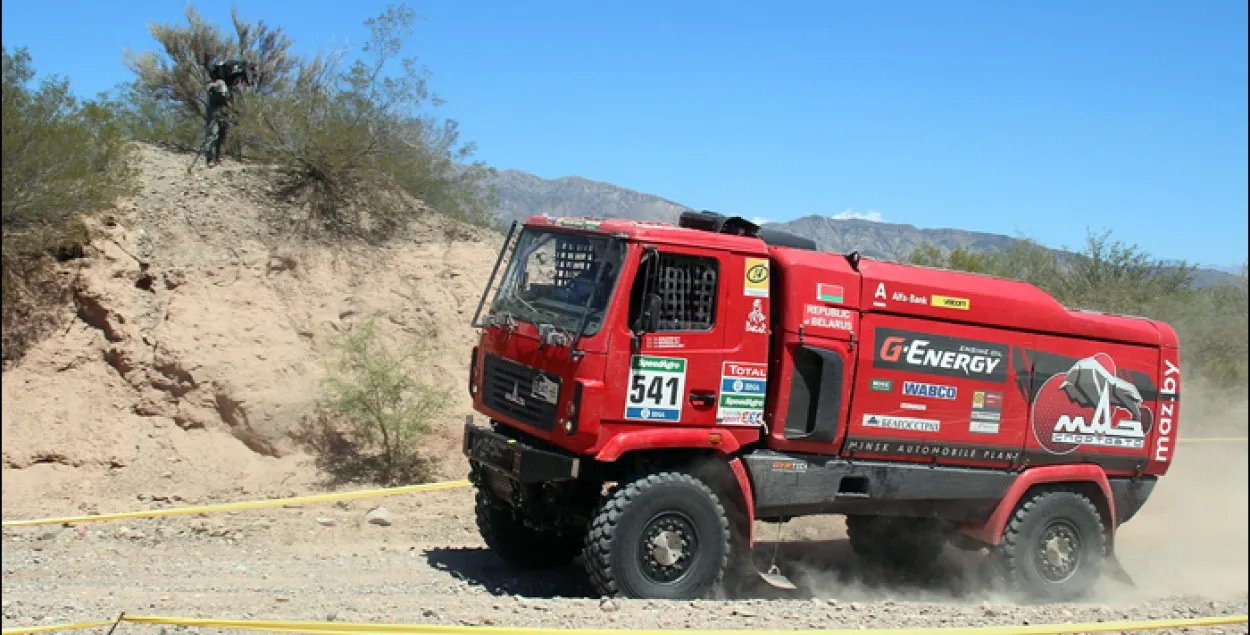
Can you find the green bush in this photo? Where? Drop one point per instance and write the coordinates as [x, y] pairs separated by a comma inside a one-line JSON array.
[[386, 411], [62, 160], [349, 142]]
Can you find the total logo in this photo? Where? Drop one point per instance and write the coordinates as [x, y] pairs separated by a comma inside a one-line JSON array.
[[1090, 405]]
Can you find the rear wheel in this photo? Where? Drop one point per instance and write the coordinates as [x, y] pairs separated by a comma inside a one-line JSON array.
[[517, 544], [662, 536], [1053, 546], [908, 545]]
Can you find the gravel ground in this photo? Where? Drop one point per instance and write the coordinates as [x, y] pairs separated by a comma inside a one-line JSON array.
[[327, 563]]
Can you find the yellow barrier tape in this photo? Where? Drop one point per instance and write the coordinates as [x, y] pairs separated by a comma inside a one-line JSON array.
[[56, 627], [366, 628], [225, 507]]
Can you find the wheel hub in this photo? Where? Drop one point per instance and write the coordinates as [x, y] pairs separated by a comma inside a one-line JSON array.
[[1058, 552], [668, 546]]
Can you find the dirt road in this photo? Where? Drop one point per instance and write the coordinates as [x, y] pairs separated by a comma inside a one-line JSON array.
[[1187, 549]]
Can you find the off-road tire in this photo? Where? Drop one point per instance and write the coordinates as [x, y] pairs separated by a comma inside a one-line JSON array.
[[905, 545], [517, 544], [613, 551], [1016, 556]]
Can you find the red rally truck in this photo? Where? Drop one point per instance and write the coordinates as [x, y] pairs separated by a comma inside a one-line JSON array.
[[652, 390]]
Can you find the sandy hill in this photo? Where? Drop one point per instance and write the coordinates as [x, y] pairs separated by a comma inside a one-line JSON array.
[[187, 376]]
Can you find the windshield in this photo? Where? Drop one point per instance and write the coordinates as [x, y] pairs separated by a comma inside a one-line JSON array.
[[551, 277]]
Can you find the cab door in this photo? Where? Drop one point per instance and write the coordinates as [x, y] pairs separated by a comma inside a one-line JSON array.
[[675, 374]]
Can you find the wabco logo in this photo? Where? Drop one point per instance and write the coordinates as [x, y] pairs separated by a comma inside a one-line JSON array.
[[940, 355], [1090, 405], [934, 391]]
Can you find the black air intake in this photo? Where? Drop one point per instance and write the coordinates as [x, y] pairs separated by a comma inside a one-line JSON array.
[[709, 221]]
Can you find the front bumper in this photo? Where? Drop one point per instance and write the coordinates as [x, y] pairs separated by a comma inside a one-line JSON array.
[[514, 460]]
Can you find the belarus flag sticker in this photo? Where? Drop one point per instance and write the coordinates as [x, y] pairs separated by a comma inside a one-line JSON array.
[[829, 292]]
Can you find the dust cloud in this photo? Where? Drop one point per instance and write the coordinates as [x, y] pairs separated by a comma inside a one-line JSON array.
[[1190, 538]]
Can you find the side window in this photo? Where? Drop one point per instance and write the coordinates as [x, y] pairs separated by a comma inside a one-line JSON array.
[[687, 287]]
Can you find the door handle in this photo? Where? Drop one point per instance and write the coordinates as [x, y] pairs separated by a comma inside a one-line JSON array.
[[702, 397]]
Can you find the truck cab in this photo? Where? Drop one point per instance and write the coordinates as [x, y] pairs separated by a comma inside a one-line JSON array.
[[651, 390]]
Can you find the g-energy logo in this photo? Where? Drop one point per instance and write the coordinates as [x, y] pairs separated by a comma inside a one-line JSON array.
[[941, 355]]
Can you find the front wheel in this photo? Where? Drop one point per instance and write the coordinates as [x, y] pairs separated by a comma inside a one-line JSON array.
[[518, 544], [662, 536]]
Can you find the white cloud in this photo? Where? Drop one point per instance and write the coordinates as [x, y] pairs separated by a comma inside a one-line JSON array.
[[760, 220], [869, 215]]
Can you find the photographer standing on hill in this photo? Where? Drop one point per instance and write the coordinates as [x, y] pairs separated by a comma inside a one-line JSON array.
[[225, 77]]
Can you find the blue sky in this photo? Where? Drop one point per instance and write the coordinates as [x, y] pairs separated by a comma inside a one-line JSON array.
[[1031, 117]]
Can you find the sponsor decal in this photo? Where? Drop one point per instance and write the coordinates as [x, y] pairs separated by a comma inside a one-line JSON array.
[[933, 391], [878, 296], [830, 293], [902, 423], [657, 388], [941, 355], [909, 298], [665, 341], [545, 388], [1090, 404], [987, 412], [1167, 410], [827, 317], [893, 447], [757, 322], [755, 283], [789, 466], [912, 406], [579, 223], [881, 385], [742, 390], [948, 302]]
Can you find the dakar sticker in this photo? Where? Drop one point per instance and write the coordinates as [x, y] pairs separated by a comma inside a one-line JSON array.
[[755, 283], [987, 412], [742, 390], [902, 423], [830, 293], [657, 386], [947, 302], [757, 322]]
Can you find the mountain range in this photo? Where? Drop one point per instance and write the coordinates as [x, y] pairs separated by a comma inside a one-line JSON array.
[[521, 195]]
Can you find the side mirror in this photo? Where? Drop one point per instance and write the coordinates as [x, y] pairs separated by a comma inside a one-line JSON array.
[[651, 313]]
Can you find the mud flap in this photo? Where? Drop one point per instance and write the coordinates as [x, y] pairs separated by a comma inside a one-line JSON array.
[[775, 579]]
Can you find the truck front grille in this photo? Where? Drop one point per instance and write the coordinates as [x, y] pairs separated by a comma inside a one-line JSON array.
[[508, 387]]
